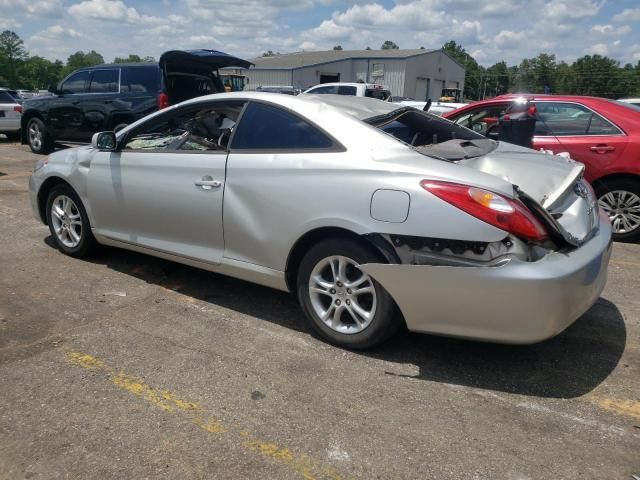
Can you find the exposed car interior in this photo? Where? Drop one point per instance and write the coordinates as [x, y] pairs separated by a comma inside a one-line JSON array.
[[433, 136], [200, 130], [183, 86]]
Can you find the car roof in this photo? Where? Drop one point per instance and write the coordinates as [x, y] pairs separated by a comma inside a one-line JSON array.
[[358, 107], [349, 84]]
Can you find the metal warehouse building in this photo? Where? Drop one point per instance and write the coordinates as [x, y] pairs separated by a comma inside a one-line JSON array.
[[417, 73]]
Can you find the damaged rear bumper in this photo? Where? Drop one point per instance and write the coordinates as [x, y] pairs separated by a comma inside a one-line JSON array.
[[516, 302]]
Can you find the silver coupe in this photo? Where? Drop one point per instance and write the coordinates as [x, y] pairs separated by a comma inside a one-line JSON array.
[[375, 214]]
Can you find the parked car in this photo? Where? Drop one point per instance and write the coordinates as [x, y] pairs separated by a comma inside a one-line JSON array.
[[437, 108], [355, 204], [603, 134], [25, 94], [10, 113], [110, 97], [371, 90], [632, 101], [286, 89]]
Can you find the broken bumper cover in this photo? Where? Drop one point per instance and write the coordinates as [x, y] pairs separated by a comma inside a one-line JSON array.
[[517, 302]]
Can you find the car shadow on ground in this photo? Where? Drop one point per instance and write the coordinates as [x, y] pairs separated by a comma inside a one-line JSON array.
[[567, 366]]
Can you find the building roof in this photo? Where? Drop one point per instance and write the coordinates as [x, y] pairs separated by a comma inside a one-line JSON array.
[[305, 59]]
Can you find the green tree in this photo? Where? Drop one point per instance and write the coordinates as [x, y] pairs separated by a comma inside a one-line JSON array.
[[338, 47], [368, 48], [599, 76], [475, 78], [269, 53], [81, 59], [132, 58], [498, 79], [389, 45], [38, 73], [12, 54]]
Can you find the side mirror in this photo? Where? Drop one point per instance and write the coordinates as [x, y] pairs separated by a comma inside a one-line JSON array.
[[104, 141]]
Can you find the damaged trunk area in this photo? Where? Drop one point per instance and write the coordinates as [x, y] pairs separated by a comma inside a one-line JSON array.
[[551, 188]]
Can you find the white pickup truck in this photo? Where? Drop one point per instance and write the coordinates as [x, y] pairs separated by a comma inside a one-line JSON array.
[[372, 90]]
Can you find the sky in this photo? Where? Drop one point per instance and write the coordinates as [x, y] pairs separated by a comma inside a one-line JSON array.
[[491, 30]]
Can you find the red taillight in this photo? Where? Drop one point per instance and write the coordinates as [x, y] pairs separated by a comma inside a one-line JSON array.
[[17, 108], [163, 101], [502, 212]]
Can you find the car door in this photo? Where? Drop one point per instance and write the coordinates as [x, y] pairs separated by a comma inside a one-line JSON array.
[[163, 188], [574, 128], [101, 102], [65, 114]]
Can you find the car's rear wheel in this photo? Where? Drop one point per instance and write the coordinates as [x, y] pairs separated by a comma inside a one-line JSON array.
[[39, 140], [68, 222], [344, 305], [620, 199]]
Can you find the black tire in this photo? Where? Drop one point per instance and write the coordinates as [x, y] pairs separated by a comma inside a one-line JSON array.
[[385, 321], [13, 136], [45, 145], [630, 185], [87, 243]]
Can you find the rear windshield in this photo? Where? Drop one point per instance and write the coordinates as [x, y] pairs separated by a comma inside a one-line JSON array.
[[432, 135], [377, 93], [6, 98], [140, 80]]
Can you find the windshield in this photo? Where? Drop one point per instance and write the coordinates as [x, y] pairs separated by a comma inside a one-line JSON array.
[[432, 135]]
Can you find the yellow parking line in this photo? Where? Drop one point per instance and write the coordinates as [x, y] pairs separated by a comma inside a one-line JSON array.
[[170, 402], [630, 408]]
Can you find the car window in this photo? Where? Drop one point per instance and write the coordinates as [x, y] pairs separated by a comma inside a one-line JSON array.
[[271, 128], [198, 129], [377, 93], [330, 89], [182, 87], [104, 81], [139, 80], [483, 119], [570, 119], [6, 98], [76, 83], [344, 90]]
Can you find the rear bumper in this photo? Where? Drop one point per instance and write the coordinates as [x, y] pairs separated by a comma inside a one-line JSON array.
[[517, 302]]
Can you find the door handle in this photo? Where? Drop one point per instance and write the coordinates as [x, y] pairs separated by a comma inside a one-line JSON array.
[[208, 183], [76, 102], [602, 148], [108, 101]]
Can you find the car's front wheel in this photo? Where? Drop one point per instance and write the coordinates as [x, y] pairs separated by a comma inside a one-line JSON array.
[[344, 305], [620, 199], [68, 222], [38, 138]]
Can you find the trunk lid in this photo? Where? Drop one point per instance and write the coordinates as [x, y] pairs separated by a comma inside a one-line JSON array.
[[199, 61], [555, 183]]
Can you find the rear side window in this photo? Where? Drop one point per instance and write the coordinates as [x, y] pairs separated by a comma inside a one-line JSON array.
[[6, 98], [140, 80], [329, 89], [104, 81], [570, 119], [264, 127], [343, 90], [76, 83], [376, 93]]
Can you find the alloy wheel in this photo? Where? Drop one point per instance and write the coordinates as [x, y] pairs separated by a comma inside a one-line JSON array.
[[66, 221], [623, 209], [35, 136], [342, 295]]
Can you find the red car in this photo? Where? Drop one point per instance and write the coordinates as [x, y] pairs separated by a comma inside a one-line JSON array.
[[603, 134]]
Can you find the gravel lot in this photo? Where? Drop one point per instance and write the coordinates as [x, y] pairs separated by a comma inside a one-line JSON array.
[[127, 366]]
